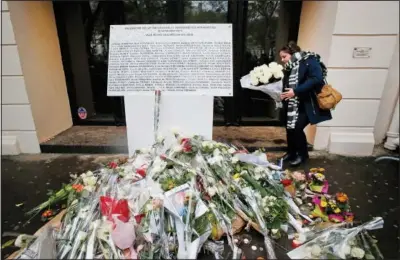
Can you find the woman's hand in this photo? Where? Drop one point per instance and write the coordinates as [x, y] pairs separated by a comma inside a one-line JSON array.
[[288, 94]]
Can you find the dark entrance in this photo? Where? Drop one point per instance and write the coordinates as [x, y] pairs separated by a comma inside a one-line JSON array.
[[259, 28]]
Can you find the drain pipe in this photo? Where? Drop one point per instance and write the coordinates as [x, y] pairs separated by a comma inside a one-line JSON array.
[[392, 141]]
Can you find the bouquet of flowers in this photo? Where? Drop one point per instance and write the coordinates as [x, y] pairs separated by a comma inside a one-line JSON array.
[[342, 243], [265, 78], [170, 203]]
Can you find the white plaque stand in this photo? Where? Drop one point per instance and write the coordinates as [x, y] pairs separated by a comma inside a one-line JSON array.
[[188, 63], [190, 114]]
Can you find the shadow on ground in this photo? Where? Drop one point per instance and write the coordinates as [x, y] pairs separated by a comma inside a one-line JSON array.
[[372, 187]]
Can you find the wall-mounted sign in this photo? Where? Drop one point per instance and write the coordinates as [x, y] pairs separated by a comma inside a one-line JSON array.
[[82, 113], [362, 52], [178, 59]]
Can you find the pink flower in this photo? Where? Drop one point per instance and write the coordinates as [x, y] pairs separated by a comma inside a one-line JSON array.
[[336, 218], [298, 176]]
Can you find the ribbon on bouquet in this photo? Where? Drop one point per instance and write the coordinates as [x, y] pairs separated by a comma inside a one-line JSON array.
[[157, 101]]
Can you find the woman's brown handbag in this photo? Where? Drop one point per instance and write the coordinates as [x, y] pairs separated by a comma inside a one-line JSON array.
[[328, 98]]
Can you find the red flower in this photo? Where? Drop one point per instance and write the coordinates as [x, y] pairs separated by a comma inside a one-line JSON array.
[[141, 172], [186, 147], [47, 213], [112, 165], [109, 207], [185, 140], [139, 217], [286, 182]]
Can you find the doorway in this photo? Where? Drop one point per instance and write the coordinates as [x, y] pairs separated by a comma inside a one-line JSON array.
[[258, 27]]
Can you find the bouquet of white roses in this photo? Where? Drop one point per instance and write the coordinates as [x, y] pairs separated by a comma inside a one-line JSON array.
[[265, 74], [265, 78]]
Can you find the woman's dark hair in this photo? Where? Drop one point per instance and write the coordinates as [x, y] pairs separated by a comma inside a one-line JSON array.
[[290, 48]]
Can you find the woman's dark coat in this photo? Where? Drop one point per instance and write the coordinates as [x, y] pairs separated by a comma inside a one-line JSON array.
[[311, 81]]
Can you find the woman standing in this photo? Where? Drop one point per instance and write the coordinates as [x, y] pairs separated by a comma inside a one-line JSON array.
[[304, 79]]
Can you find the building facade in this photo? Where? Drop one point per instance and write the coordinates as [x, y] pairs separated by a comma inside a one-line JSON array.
[[53, 54]]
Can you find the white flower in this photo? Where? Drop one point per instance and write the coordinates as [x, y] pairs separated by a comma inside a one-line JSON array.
[[212, 205], [357, 252], [73, 176], [264, 68], [273, 65], [271, 204], [257, 176], [315, 250], [90, 181], [278, 74], [149, 207], [346, 249], [254, 80], [259, 169], [234, 160], [274, 231], [211, 191], [265, 77], [175, 130], [160, 138], [266, 210], [231, 150]]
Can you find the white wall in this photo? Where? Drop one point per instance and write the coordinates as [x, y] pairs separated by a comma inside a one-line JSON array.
[[363, 82], [18, 128]]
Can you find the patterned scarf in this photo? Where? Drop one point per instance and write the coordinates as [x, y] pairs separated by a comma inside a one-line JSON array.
[[293, 67]]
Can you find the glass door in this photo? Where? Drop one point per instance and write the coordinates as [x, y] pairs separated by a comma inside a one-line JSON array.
[[209, 12], [267, 25]]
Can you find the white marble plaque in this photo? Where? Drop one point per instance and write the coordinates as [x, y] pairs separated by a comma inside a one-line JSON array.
[[178, 59]]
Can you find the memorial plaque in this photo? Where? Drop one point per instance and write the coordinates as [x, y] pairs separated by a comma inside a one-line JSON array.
[[178, 59]]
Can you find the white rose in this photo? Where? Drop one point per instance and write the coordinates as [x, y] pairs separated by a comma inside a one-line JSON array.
[[254, 80], [160, 138], [90, 181], [265, 78], [234, 159], [211, 191], [357, 252], [273, 65], [257, 69], [315, 250], [346, 250], [278, 74], [175, 130]]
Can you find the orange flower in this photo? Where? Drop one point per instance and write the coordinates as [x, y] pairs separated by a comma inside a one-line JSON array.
[[78, 187], [350, 218], [342, 197], [47, 213]]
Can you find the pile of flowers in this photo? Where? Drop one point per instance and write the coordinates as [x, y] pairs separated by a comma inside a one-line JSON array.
[[265, 74], [170, 202]]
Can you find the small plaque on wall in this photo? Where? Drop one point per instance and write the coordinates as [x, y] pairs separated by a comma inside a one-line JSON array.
[[362, 52]]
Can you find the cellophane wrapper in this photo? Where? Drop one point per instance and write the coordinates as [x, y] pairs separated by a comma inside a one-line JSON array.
[[338, 243], [274, 90]]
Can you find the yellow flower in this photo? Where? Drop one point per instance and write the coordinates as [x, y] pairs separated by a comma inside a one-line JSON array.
[[337, 210], [323, 204], [236, 176]]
